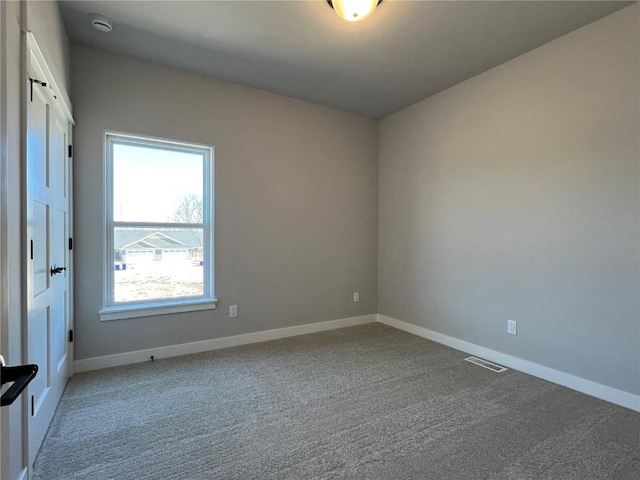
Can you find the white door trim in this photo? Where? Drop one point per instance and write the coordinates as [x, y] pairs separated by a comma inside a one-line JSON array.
[[3, 206], [33, 49], [34, 63]]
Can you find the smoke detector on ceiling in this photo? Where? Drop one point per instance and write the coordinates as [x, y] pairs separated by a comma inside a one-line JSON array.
[[101, 23]]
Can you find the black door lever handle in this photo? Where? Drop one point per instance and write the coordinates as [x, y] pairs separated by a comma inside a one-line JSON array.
[[55, 270], [20, 376]]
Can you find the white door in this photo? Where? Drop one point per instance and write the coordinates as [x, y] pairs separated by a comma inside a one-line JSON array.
[[48, 220]]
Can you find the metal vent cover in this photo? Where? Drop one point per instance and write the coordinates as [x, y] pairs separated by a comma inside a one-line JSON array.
[[488, 365]]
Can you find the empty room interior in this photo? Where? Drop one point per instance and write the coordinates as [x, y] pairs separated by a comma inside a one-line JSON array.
[[348, 239]]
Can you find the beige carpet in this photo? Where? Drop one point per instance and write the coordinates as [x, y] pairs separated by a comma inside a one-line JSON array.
[[366, 402]]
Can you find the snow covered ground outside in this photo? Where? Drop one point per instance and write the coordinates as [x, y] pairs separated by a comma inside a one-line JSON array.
[[158, 280]]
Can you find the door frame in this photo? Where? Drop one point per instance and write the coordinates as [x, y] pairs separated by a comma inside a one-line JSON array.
[[33, 53], [3, 218]]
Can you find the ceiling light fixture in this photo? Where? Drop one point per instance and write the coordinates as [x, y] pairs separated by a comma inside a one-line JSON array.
[[354, 10], [101, 23]]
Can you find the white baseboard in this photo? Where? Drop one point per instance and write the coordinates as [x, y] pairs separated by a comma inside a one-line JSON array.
[[624, 399], [138, 356]]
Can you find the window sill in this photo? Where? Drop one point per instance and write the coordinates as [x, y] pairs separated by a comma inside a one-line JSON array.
[[148, 310]]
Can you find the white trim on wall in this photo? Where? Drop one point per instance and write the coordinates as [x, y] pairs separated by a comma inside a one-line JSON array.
[[60, 95], [624, 399], [603, 392], [138, 356]]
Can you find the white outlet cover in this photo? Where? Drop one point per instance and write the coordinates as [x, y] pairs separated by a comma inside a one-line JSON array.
[[512, 327], [233, 311], [356, 297]]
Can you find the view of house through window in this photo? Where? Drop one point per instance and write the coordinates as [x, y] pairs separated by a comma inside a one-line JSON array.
[[159, 221]]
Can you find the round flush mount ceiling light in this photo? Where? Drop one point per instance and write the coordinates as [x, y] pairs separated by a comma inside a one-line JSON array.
[[101, 23], [354, 10]]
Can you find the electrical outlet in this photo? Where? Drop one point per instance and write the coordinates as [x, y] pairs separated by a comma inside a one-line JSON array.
[[512, 327], [356, 297], [233, 311]]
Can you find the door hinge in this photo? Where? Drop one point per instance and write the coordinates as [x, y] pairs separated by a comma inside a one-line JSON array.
[[31, 250], [70, 243], [70, 151], [33, 405], [71, 335]]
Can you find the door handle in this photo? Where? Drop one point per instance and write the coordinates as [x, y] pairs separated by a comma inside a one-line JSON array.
[[55, 270], [21, 376]]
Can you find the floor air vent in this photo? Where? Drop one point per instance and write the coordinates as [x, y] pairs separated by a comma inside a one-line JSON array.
[[483, 363]]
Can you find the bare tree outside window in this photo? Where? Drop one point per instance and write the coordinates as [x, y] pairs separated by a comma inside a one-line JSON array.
[[189, 209]]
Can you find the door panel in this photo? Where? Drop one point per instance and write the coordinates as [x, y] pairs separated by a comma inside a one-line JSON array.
[[40, 262], [37, 142], [58, 334], [58, 227], [58, 142], [38, 346]]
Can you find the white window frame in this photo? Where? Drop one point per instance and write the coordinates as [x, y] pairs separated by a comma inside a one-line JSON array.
[[121, 310]]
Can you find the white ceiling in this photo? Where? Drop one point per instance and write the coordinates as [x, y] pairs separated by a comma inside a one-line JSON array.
[[404, 52]]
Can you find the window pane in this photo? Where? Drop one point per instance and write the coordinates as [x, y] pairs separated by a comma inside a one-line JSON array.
[[157, 264], [156, 185]]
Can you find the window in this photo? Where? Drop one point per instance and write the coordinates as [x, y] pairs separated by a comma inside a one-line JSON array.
[[159, 219]]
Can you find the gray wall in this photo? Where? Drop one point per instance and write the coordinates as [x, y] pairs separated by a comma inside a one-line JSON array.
[[44, 21], [10, 251], [514, 195], [296, 201]]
